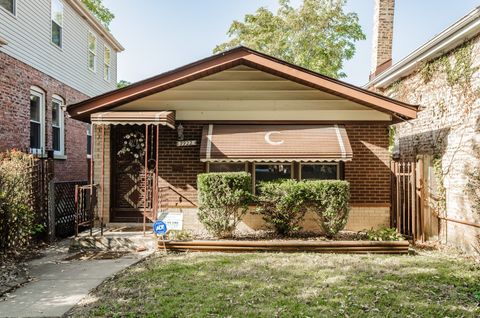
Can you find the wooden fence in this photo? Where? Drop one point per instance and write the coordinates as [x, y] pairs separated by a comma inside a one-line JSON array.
[[406, 210], [85, 203]]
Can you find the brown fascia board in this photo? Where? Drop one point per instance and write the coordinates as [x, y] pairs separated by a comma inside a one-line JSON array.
[[229, 59]]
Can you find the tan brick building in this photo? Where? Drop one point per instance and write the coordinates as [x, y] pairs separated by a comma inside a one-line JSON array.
[[442, 76]]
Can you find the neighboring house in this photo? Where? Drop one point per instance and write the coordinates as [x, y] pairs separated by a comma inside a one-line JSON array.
[[239, 111], [442, 76], [52, 53]]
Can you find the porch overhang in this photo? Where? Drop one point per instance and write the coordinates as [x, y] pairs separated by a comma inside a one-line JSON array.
[[275, 143], [164, 118]]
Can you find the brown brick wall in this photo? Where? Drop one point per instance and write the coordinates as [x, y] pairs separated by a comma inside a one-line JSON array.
[[16, 79], [369, 172]]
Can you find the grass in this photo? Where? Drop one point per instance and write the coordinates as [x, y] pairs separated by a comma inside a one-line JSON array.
[[431, 284]]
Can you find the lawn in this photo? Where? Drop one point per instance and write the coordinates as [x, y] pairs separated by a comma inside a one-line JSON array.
[[430, 284]]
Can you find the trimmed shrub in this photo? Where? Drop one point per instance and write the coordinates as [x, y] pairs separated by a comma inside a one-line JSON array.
[[16, 214], [283, 205], [223, 200], [330, 200]]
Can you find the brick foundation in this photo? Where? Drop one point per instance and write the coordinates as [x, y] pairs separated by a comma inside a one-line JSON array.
[[16, 79]]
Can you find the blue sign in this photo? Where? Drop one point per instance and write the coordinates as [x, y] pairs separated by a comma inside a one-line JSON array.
[[160, 228]]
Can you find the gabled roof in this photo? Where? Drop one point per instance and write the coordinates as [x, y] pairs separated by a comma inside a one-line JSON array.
[[232, 58], [461, 31]]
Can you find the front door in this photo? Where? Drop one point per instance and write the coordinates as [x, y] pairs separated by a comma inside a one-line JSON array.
[[128, 174]]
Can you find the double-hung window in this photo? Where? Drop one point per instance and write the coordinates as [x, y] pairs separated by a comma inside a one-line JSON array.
[[107, 60], [58, 126], [37, 121], [92, 52], [57, 22], [8, 5]]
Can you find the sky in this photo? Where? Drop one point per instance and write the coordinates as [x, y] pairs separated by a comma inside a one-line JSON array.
[[160, 35]]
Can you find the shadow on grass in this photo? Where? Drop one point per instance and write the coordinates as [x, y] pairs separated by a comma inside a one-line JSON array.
[[290, 285]]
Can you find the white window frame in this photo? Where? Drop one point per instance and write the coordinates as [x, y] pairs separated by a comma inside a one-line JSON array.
[[245, 163], [14, 13], [318, 164], [94, 52], [107, 78], [61, 119], [38, 92], [254, 170], [61, 26], [89, 134]]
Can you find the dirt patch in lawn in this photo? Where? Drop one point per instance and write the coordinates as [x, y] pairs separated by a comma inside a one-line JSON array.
[[430, 284]]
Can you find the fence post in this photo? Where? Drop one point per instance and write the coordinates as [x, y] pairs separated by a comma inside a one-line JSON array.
[[51, 211]]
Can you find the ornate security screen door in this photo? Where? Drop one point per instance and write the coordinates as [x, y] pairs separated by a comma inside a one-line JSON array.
[[128, 173]]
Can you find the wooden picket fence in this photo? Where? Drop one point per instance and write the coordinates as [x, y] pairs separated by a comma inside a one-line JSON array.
[[407, 200]]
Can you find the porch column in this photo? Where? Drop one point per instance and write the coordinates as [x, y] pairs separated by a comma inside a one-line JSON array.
[[97, 170]]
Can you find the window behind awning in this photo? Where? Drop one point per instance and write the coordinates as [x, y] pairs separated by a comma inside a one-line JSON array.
[[275, 143]]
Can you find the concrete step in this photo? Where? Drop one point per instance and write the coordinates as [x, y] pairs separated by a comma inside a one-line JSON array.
[[112, 240]]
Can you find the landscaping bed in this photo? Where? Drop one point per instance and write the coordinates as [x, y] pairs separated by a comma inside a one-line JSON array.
[[429, 284]]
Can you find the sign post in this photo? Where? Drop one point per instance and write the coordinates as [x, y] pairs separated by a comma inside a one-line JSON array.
[[160, 228]]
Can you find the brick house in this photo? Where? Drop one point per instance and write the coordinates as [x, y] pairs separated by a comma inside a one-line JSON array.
[[238, 111], [442, 76], [52, 53]]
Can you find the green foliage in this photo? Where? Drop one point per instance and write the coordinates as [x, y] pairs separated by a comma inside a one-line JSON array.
[[330, 200], [16, 213], [392, 130], [100, 11], [384, 234], [180, 235], [223, 199], [440, 204], [123, 83], [318, 35], [283, 204]]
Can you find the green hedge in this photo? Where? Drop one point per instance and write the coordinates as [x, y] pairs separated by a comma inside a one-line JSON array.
[[330, 200], [223, 200], [284, 203], [16, 214]]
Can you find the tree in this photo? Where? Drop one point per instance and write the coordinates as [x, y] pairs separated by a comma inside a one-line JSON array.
[[123, 83], [318, 35], [102, 13]]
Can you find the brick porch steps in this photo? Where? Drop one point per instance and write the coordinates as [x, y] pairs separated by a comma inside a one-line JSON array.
[[344, 247]]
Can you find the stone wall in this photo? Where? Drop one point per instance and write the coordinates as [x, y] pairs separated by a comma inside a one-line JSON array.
[[448, 127], [16, 79]]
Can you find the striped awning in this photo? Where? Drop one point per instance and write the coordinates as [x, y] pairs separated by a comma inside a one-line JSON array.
[[165, 118], [275, 143]]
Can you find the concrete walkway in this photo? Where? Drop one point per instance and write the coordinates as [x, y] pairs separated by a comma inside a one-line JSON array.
[[59, 284]]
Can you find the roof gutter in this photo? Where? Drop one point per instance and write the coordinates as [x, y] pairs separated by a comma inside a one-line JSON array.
[[461, 31], [95, 24]]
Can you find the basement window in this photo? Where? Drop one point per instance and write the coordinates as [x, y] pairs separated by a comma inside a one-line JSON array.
[[57, 23], [8, 5]]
